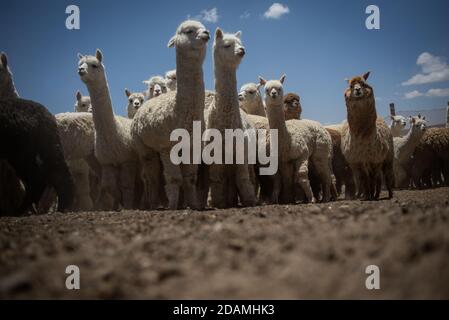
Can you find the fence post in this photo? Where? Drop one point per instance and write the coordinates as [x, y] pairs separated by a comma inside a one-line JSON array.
[[392, 109], [447, 115]]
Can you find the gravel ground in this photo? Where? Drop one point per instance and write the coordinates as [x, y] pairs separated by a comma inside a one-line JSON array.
[[268, 252]]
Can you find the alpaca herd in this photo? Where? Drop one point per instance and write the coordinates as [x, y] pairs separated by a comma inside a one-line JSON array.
[[92, 159]]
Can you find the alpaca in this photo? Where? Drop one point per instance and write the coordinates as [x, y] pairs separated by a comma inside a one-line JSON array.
[[431, 158], [250, 99], [7, 88], [170, 80], [340, 167], [82, 103], [31, 146], [367, 142], [157, 118], [398, 123], [156, 86], [292, 150], [113, 144], [404, 148], [135, 101], [228, 181], [292, 106]]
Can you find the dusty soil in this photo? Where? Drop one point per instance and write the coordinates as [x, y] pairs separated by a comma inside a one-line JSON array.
[[295, 251]]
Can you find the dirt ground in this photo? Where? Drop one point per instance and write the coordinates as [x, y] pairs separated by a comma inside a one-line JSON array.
[[279, 252]]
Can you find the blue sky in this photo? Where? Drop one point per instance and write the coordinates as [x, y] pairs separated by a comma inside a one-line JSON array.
[[316, 43]]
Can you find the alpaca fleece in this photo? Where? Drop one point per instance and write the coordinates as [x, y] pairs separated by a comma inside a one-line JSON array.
[[31, 145]]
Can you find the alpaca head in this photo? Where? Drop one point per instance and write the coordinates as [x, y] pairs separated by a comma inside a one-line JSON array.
[[135, 101], [398, 123], [292, 106], [5, 74], [170, 80], [358, 88], [418, 125], [82, 103], [90, 68], [228, 48], [274, 92], [191, 40], [156, 86], [249, 94]]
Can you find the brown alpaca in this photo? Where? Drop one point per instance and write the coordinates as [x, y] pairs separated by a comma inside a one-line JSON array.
[[292, 106], [367, 142]]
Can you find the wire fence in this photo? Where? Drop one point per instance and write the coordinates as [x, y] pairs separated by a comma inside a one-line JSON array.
[[435, 117]]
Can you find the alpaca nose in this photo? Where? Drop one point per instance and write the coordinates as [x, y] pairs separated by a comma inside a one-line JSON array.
[[241, 52], [205, 35], [81, 71], [241, 96]]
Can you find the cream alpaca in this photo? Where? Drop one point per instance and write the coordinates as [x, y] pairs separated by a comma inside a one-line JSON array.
[[292, 148], [250, 99], [113, 143], [404, 148], [135, 101], [170, 80], [155, 87], [157, 118], [367, 142], [228, 181], [82, 103], [398, 123]]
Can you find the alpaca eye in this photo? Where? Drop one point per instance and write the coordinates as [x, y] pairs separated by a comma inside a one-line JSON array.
[[227, 46], [189, 31], [94, 66]]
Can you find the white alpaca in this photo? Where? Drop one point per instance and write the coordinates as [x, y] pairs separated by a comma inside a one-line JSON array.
[[228, 182], [398, 124], [157, 118], [170, 80], [113, 144], [82, 103], [292, 148], [155, 87], [250, 99], [7, 88], [404, 147], [135, 101]]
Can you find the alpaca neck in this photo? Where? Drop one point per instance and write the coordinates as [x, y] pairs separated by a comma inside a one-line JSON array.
[[276, 120], [362, 117], [226, 96], [8, 90], [190, 86], [102, 112], [255, 107], [395, 131]]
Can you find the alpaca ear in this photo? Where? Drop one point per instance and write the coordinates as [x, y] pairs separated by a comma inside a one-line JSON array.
[[424, 118], [218, 33], [347, 80], [147, 82], [99, 55], [171, 42], [366, 75], [80, 56], [262, 81], [282, 79], [258, 86], [4, 59], [392, 117], [413, 121], [78, 96], [238, 34], [127, 93]]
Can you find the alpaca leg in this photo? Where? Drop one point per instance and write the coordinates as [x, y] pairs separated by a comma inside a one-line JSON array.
[[245, 187], [203, 184], [173, 180], [151, 175], [189, 179], [232, 199], [389, 177], [377, 180], [217, 186], [287, 182], [127, 183], [302, 178], [109, 196], [350, 188], [323, 171]]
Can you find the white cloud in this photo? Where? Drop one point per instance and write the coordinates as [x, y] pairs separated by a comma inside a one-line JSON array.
[[433, 69], [245, 15], [438, 93], [276, 11], [207, 15], [413, 94], [430, 93]]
